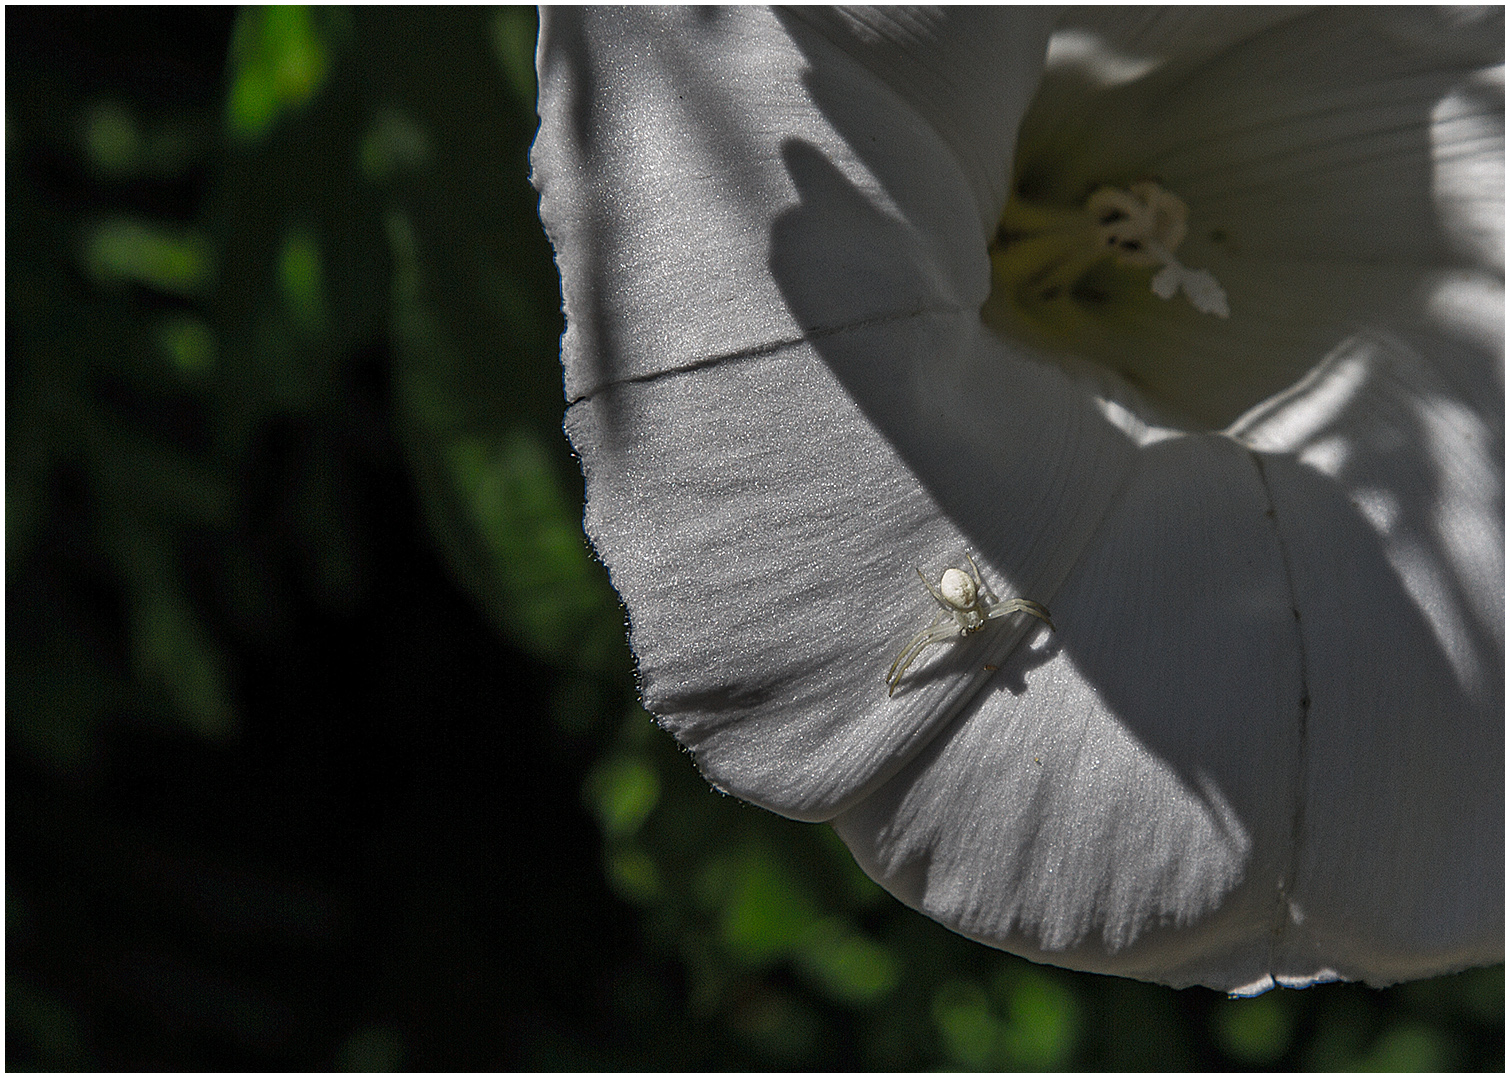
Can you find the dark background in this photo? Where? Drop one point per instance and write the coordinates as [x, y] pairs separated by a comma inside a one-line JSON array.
[[322, 742]]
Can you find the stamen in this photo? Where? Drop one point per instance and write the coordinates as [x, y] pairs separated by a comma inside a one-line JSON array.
[[1140, 226]]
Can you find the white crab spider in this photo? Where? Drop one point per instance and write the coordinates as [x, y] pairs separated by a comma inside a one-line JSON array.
[[968, 604]]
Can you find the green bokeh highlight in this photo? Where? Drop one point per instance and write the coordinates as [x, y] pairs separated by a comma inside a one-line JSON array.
[[279, 60], [846, 966], [622, 792], [127, 251], [301, 277], [111, 139], [1258, 1030], [188, 343]]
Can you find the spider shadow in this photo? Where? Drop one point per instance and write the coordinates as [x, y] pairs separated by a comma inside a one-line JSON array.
[[1012, 673], [1009, 673]]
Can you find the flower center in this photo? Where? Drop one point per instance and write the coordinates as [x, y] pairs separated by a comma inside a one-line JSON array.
[[1044, 257], [1089, 273], [1136, 184]]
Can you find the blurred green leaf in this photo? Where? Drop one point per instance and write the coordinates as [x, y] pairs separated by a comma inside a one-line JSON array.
[[514, 31], [621, 792], [1256, 1031], [111, 139], [1406, 1048], [767, 911], [845, 965], [176, 261], [1042, 1019], [1478, 993], [301, 274], [632, 874], [962, 1015], [279, 60], [189, 344], [514, 502], [118, 145], [172, 651], [394, 147], [477, 375]]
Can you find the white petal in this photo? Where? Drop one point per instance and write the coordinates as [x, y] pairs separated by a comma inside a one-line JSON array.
[[1320, 135], [1331, 161], [1388, 484], [1266, 744], [1205, 294], [784, 401], [1166, 282], [771, 582], [1120, 43], [970, 73], [1123, 800], [1468, 161], [670, 141], [822, 184]]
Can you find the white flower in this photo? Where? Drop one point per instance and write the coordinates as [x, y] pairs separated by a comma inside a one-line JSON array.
[[1265, 743]]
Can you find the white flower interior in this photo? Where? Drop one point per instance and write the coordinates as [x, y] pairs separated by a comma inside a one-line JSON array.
[[1136, 184]]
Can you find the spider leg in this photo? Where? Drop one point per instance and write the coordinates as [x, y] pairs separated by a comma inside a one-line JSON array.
[[937, 633], [914, 647], [903, 661], [980, 582], [1025, 606], [935, 592]]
